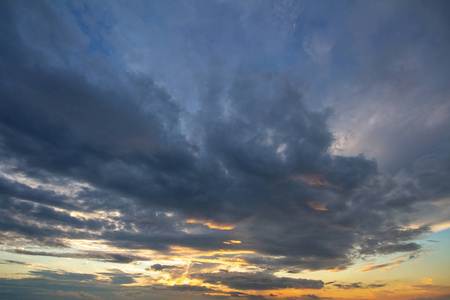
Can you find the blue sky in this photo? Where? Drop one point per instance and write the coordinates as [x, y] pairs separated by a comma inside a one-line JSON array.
[[253, 149]]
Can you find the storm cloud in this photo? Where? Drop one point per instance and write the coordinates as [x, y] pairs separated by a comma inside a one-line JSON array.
[[250, 154], [234, 160]]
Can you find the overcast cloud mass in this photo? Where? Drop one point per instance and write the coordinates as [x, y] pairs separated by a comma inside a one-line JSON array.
[[216, 149]]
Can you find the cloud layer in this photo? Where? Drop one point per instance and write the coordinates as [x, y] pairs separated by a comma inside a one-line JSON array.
[[247, 171]]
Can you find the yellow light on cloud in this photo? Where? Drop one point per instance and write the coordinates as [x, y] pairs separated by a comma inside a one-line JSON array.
[[316, 180], [318, 205], [211, 224], [230, 242]]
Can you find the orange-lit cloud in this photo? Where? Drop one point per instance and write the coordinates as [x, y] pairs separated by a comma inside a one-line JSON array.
[[385, 267], [318, 205], [230, 242], [315, 180], [211, 224]]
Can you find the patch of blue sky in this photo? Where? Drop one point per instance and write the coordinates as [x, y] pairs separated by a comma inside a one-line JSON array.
[[94, 26]]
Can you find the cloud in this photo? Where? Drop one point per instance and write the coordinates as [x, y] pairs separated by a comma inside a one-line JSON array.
[[256, 281], [94, 255], [70, 295], [387, 249], [63, 275], [233, 167], [15, 262], [368, 110], [318, 46], [159, 267], [55, 287], [385, 266], [183, 288], [443, 297], [310, 296], [117, 276], [358, 285], [248, 160]]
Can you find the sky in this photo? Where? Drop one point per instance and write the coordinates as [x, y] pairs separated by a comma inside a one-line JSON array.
[[224, 149]]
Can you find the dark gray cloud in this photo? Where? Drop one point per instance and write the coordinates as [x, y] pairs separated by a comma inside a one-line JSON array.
[[378, 123], [252, 154], [159, 267], [10, 189], [63, 275], [256, 281], [388, 249], [310, 296], [358, 285], [15, 262], [392, 241], [101, 256], [183, 288], [57, 285], [119, 277], [42, 224], [295, 264]]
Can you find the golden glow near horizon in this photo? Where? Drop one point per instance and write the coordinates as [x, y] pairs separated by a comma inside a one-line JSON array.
[[375, 279]]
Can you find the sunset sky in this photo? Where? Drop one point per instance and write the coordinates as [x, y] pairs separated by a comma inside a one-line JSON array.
[[224, 149]]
